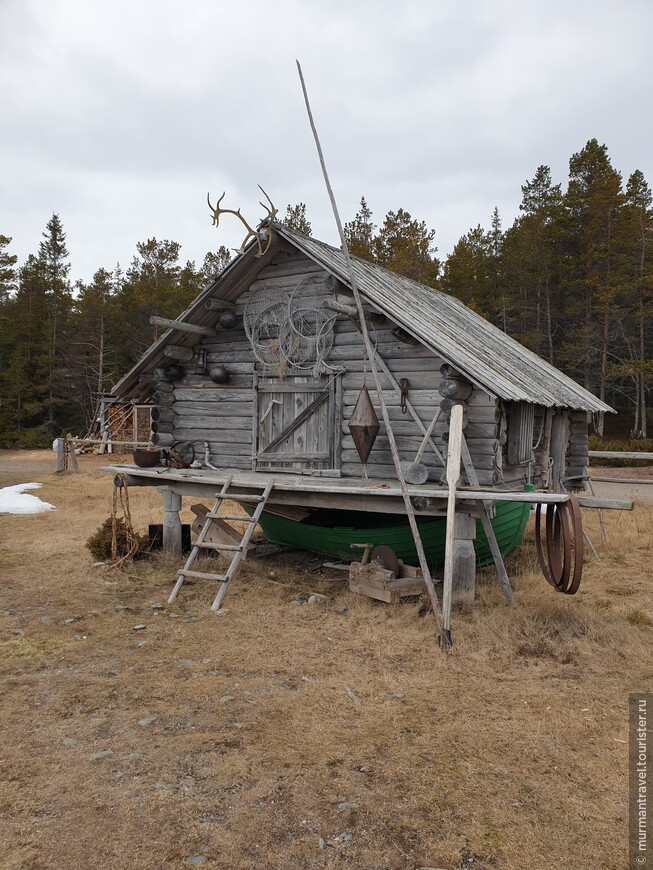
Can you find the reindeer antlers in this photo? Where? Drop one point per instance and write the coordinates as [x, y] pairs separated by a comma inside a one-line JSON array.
[[262, 233]]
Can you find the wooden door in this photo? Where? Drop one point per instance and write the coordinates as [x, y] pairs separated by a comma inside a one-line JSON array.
[[296, 426]]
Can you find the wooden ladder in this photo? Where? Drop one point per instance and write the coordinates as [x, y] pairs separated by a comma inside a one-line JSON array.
[[239, 550]]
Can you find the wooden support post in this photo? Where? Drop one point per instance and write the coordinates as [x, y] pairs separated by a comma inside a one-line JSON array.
[[464, 559], [171, 521], [453, 475], [70, 441], [486, 520], [60, 450], [559, 440]]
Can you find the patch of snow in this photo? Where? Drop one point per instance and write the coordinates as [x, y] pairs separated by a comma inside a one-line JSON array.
[[14, 500]]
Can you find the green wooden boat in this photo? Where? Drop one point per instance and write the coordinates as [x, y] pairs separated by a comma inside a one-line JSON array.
[[332, 532]]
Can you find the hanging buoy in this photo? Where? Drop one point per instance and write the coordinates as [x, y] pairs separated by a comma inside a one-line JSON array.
[[364, 425]]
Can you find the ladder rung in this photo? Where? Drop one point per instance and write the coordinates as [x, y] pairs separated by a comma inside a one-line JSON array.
[[241, 518], [208, 545], [241, 496], [201, 575], [215, 516]]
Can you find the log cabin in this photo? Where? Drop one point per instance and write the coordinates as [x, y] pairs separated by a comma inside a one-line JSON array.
[[264, 371]]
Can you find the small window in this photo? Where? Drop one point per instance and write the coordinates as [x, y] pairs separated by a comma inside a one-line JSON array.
[[520, 433]]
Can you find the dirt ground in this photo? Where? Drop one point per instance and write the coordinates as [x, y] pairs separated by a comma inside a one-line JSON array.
[[232, 741]]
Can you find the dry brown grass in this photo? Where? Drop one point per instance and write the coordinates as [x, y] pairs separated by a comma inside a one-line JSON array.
[[508, 754]]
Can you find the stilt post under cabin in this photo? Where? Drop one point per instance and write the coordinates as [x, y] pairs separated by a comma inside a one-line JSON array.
[[464, 559], [171, 521]]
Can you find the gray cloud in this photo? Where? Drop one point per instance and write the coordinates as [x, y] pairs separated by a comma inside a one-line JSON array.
[[121, 116]]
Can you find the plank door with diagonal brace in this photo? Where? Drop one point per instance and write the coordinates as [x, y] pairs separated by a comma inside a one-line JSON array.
[[296, 425]]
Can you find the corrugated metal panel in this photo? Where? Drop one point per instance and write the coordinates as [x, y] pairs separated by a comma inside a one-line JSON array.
[[482, 352]]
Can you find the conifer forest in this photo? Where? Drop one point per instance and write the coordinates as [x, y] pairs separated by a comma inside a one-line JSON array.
[[571, 279]]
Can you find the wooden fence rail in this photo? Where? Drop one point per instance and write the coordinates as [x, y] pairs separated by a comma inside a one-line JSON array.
[[617, 454]]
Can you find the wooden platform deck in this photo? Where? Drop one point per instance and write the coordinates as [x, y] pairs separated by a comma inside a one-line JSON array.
[[378, 496]]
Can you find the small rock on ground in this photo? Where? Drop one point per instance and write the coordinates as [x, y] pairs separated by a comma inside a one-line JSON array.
[[348, 805], [46, 620], [69, 742], [70, 619], [341, 608], [139, 627], [148, 720], [196, 859], [340, 840], [104, 753]]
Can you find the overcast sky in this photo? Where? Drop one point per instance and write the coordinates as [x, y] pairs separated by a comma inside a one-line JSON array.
[[121, 115]]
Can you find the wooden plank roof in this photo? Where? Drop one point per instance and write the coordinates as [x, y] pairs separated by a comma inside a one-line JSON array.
[[486, 355]]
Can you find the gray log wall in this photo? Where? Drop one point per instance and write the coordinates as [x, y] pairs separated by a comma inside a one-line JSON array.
[[194, 408]]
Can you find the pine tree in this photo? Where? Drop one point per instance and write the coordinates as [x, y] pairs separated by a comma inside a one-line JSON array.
[[531, 262], [296, 219], [359, 233], [24, 376], [150, 287], [7, 270], [593, 200], [637, 323], [469, 272], [405, 246], [7, 290], [214, 263], [92, 358]]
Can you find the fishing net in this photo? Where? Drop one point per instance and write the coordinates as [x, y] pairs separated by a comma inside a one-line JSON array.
[[311, 325], [290, 330], [264, 322]]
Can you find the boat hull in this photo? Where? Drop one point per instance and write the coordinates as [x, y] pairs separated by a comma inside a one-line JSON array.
[[345, 528]]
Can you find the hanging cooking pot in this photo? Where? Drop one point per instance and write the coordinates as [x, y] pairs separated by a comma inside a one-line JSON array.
[[219, 375], [228, 319], [174, 372]]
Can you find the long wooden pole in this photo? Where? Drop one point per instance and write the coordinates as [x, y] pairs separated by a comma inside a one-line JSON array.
[[428, 580], [453, 475]]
